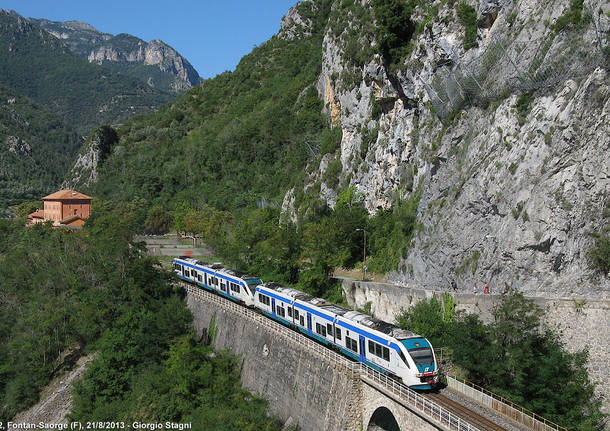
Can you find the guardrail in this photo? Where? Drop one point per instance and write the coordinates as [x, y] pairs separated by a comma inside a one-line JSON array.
[[502, 405], [423, 405]]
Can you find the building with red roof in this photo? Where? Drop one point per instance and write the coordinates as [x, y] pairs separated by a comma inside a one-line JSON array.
[[64, 208]]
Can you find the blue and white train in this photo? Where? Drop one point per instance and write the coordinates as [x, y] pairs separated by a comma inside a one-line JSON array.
[[380, 345]]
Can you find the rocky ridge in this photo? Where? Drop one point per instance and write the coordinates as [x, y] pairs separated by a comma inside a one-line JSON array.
[[507, 141], [124, 50]]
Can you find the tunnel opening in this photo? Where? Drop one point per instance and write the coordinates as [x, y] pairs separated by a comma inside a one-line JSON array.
[[383, 420]]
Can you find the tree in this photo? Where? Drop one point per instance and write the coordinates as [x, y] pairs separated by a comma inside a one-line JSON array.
[[426, 318], [158, 220]]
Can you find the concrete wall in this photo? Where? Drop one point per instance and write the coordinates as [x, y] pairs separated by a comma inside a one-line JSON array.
[[580, 322]]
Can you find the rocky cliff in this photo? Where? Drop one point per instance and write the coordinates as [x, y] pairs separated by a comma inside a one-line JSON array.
[[496, 115], [167, 70]]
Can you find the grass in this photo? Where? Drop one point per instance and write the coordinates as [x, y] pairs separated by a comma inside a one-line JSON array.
[[356, 274]]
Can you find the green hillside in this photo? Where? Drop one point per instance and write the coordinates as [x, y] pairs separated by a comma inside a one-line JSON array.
[[242, 136], [36, 149], [37, 65]]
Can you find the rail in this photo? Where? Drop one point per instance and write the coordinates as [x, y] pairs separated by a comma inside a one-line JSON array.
[[356, 369], [502, 405]]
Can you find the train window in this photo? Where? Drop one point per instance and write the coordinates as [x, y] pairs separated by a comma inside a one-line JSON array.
[[235, 288], [329, 328], [264, 299], [302, 320], [321, 329], [290, 311], [386, 354], [338, 333], [422, 356], [280, 311], [351, 344], [296, 313], [379, 350], [199, 277], [402, 356], [186, 272]]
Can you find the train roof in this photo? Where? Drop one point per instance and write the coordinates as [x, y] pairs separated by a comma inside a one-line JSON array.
[[329, 306], [288, 291], [238, 274], [193, 261], [379, 325]]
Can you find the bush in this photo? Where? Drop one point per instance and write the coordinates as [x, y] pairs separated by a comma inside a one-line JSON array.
[[573, 16], [468, 18], [394, 29], [523, 107], [599, 254]]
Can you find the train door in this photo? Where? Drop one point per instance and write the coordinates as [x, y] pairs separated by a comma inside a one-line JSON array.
[[309, 323], [362, 351], [273, 306]]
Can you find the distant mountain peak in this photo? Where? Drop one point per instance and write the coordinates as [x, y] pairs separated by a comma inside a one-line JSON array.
[[126, 53], [79, 25]]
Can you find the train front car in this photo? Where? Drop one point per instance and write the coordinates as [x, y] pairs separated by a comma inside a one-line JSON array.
[[423, 370]]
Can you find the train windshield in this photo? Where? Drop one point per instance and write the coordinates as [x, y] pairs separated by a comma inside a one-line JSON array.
[[422, 356]]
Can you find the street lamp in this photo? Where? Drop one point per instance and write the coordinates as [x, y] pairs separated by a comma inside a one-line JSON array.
[[364, 254]]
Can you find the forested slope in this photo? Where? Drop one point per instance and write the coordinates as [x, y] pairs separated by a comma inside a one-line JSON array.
[[64, 293], [83, 94], [36, 149]]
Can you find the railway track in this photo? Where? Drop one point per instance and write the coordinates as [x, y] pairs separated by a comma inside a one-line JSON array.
[[482, 423]]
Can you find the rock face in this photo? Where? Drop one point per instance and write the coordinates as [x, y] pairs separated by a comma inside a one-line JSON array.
[[125, 51], [507, 141], [92, 154]]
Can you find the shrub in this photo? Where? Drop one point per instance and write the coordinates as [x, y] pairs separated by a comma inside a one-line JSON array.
[[599, 254], [468, 18]]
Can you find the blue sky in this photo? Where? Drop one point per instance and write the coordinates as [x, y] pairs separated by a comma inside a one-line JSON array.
[[212, 35]]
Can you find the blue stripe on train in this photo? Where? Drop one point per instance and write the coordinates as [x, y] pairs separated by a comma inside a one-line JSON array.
[[359, 331]]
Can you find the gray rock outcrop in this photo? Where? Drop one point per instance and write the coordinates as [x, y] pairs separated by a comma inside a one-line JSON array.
[[507, 142]]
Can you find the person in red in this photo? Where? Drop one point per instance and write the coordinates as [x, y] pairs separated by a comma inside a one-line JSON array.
[[486, 288]]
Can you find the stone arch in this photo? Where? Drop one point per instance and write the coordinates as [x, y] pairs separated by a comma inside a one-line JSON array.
[[382, 419]]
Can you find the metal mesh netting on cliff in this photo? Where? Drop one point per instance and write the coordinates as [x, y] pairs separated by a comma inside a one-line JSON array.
[[499, 68]]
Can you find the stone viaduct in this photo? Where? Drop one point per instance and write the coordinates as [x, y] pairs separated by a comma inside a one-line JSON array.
[[307, 384]]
